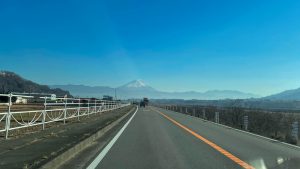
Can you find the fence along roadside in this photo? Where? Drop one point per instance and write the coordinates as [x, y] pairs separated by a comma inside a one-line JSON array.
[[282, 126], [46, 109]]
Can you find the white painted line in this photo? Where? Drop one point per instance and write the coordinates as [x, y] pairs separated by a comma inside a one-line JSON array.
[[100, 157]]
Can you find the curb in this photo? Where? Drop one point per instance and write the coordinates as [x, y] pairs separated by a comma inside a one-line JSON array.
[[68, 154]]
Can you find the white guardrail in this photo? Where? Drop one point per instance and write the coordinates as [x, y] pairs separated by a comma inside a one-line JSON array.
[[59, 110]]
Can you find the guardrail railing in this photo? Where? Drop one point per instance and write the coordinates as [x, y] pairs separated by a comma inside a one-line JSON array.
[[54, 110], [282, 126]]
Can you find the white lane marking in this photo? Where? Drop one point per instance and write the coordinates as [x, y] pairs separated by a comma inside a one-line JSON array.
[[100, 157]]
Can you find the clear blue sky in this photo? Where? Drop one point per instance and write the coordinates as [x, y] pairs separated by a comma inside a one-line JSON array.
[[251, 46]]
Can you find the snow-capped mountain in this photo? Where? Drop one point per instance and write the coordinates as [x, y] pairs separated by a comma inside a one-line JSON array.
[[135, 84]]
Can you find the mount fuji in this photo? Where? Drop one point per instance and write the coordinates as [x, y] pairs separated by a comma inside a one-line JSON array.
[[135, 84]]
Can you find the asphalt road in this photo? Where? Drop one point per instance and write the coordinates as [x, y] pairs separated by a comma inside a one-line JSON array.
[[158, 138]]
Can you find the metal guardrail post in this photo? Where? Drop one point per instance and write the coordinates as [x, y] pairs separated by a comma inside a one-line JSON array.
[[100, 106], [8, 116], [95, 106], [217, 118], [88, 107], [44, 113], [246, 122], [65, 111], [78, 109], [103, 105]]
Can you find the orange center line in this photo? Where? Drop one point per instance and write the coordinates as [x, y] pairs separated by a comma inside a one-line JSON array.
[[213, 145]]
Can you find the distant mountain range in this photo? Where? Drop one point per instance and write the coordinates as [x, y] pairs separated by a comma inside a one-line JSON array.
[[285, 95], [11, 82], [138, 89]]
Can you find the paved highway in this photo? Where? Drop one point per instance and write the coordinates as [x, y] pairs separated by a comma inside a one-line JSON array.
[[156, 138]]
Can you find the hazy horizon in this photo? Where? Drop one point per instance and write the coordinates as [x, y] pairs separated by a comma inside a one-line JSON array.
[[146, 84]]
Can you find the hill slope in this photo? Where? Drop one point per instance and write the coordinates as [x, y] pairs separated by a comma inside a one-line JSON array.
[[11, 82], [286, 95]]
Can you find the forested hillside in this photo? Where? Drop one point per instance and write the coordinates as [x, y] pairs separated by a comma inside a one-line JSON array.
[[11, 82]]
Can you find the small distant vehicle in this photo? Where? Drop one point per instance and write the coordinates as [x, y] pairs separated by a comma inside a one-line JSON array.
[[144, 102]]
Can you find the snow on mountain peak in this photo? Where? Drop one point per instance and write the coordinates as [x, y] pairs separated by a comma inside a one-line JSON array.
[[136, 84]]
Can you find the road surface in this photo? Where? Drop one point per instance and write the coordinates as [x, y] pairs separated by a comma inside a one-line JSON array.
[[156, 138]]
